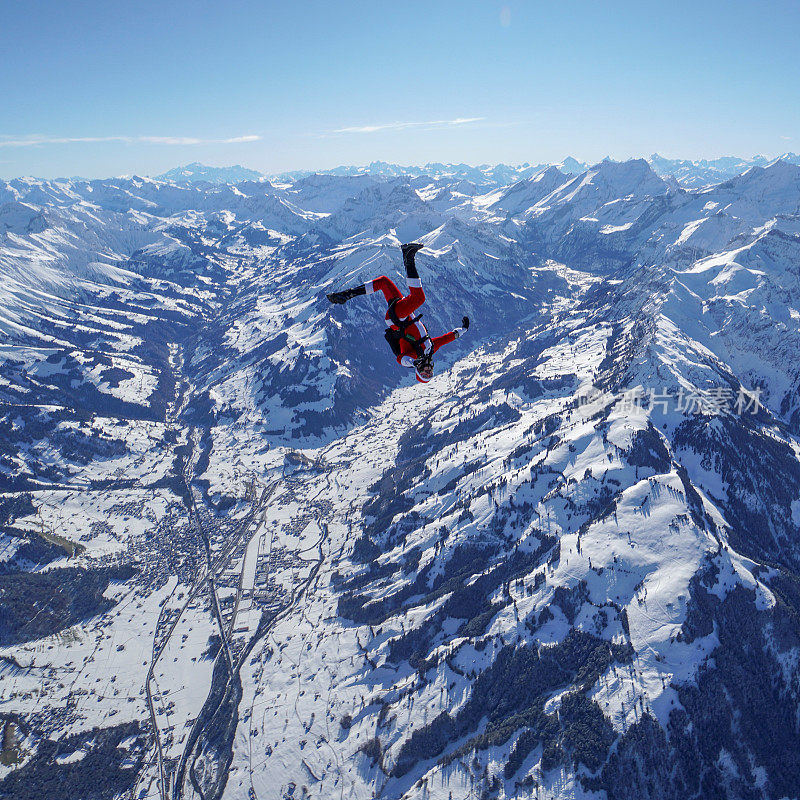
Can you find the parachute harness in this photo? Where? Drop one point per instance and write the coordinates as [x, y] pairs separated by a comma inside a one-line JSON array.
[[402, 325]]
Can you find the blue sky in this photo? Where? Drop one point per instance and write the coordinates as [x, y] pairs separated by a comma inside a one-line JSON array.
[[106, 88]]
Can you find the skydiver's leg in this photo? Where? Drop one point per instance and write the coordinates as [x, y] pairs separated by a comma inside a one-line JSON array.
[[409, 251], [408, 305], [416, 297], [385, 285], [382, 284], [405, 305]]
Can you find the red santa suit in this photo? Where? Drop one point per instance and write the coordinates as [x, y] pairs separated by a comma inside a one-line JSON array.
[[404, 307]]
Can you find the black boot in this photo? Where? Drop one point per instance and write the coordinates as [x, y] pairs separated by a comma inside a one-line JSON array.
[[347, 294], [409, 251]]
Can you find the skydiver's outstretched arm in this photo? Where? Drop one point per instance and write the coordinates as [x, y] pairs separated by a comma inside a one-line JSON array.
[[436, 343], [446, 338]]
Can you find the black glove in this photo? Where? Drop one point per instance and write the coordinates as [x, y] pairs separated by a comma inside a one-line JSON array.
[[465, 323]]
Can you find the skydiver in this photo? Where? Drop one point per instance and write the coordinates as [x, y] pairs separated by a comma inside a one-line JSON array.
[[407, 336]]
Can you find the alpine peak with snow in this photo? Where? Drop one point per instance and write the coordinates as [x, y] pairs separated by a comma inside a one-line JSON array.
[[244, 556]]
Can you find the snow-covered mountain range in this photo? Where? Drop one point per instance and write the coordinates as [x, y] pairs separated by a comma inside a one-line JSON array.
[[244, 555], [694, 174], [698, 173]]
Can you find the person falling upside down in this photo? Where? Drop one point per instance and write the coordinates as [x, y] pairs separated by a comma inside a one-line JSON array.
[[406, 334]]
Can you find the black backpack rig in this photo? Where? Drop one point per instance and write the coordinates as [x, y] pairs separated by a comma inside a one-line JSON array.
[[394, 336]]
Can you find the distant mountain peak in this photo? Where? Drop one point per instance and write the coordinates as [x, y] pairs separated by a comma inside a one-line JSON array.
[[197, 172], [571, 166]]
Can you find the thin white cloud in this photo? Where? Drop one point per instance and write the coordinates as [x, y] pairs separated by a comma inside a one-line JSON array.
[[241, 139], [399, 126], [38, 141]]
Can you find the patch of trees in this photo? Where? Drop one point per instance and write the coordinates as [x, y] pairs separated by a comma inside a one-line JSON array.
[[786, 612], [578, 733], [647, 449], [174, 480], [68, 388], [519, 379], [39, 604], [114, 376], [36, 551], [214, 644], [464, 562], [373, 750], [81, 448], [571, 600], [79, 444], [200, 412], [154, 350], [369, 611], [14, 506], [106, 770], [702, 605], [469, 599], [470, 602]]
